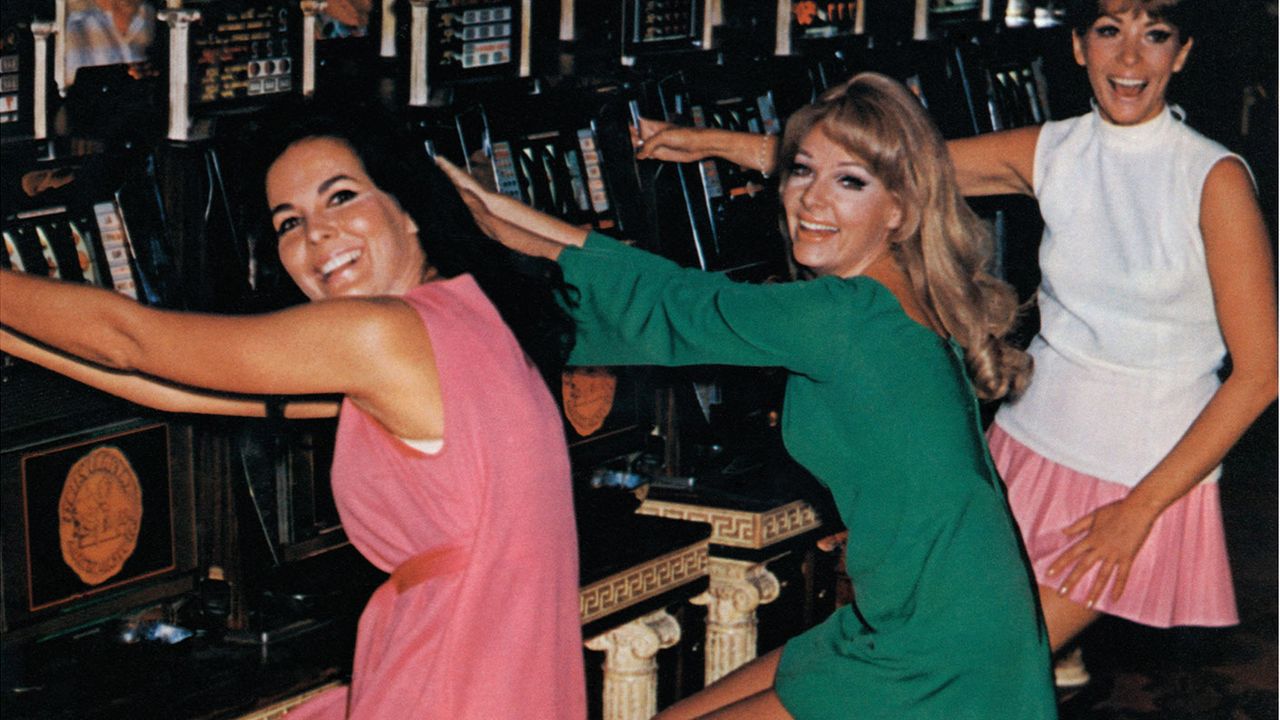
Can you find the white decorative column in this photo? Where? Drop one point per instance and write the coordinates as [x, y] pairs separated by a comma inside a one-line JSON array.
[[387, 30], [179, 21], [418, 91], [630, 665], [310, 9], [737, 588], [41, 30], [920, 25]]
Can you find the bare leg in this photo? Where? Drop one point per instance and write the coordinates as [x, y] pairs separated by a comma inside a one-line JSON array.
[[746, 685], [1064, 618]]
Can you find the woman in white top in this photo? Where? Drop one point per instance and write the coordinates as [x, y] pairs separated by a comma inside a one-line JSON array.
[[1156, 266]]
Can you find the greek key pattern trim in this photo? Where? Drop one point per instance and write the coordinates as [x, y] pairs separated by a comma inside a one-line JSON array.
[[643, 581], [740, 528]]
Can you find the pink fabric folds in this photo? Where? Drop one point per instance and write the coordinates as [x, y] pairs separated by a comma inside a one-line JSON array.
[[1180, 576]]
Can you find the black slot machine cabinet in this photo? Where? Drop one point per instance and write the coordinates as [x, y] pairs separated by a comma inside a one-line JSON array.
[[728, 219], [566, 152], [639, 32], [464, 43], [17, 76], [98, 516], [241, 54]]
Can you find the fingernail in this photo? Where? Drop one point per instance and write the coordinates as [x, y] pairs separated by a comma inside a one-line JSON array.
[[1062, 590], [1089, 605]]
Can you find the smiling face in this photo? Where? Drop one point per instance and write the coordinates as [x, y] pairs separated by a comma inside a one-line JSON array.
[[338, 233], [1130, 57], [839, 215]]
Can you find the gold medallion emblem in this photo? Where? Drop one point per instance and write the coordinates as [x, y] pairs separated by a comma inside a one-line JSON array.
[[588, 397], [99, 514]]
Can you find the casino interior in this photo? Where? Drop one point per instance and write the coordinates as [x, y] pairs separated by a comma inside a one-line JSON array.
[[213, 596]]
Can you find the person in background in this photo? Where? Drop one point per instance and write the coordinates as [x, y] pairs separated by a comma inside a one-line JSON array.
[[450, 468], [1157, 280], [107, 32], [885, 343]]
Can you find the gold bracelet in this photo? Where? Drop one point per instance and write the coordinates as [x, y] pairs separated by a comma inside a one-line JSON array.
[[761, 155]]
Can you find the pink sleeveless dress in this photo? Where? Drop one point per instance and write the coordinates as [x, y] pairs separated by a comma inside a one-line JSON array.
[[480, 617]]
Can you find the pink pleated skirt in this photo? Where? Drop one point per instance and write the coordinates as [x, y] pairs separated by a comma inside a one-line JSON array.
[[1180, 576]]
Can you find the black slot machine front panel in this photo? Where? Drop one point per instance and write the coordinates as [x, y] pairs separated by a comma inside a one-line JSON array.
[[286, 474], [733, 210], [93, 220], [662, 26], [555, 152], [808, 22], [243, 54], [17, 81], [470, 41], [96, 521]]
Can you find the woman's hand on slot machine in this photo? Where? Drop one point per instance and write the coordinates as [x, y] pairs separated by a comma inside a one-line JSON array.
[[657, 140], [511, 222]]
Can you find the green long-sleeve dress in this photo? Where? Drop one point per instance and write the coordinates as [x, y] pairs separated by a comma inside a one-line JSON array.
[[880, 409]]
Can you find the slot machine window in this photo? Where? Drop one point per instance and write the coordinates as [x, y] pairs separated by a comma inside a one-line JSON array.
[[469, 41], [17, 82], [812, 20], [657, 26], [243, 53]]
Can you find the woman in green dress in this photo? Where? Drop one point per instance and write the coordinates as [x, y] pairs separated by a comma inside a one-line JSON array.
[[887, 340]]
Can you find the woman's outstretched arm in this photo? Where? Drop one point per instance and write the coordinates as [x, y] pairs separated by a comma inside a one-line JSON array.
[[510, 221], [317, 349], [657, 140], [997, 163], [158, 394]]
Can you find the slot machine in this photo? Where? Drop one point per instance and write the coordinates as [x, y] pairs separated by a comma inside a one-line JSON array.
[[99, 510], [605, 37], [17, 78], [461, 43], [729, 221], [231, 56]]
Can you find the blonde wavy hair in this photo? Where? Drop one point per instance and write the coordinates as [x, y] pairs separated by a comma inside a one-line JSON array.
[[942, 246]]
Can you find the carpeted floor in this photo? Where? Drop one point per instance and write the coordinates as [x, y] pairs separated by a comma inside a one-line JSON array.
[[1202, 674]]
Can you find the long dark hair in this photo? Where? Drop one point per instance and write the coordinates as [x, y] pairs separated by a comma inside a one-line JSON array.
[[529, 293]]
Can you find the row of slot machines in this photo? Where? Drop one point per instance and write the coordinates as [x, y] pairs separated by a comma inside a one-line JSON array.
[[113, 218], [227, 55]]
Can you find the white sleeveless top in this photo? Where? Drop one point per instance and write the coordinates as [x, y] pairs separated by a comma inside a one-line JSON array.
[[1129, 343]]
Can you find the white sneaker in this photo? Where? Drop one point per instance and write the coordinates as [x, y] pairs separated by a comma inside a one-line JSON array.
[[1069, 670]]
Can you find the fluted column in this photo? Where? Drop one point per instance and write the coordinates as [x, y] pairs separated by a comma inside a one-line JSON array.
[[737, 588], [631, 667], [311, 10]]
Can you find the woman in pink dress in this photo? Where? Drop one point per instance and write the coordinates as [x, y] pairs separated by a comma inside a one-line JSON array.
[[450, 468]]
